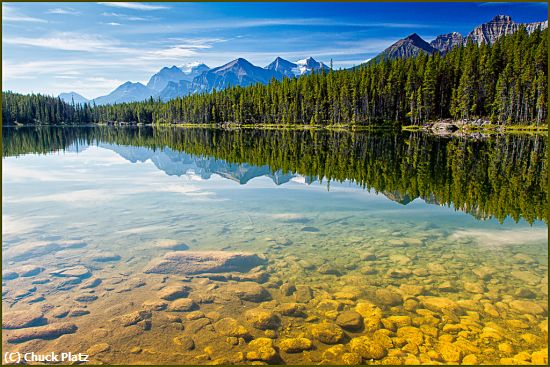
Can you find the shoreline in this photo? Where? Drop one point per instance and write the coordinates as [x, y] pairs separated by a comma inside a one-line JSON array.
[[440, 127]]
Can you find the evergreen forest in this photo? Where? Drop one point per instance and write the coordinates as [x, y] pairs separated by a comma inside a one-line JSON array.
[[504, 83]]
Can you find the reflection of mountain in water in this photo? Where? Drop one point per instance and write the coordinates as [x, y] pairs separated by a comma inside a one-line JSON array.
[[175, 163], [486, 176]]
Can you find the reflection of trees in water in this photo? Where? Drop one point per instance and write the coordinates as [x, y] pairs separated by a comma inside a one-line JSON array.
[[491, 177]]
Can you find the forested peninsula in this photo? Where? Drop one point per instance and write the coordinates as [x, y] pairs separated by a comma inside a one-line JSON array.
[[504, 84]]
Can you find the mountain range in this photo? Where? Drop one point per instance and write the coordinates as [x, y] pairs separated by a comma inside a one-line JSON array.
[[173, 82]]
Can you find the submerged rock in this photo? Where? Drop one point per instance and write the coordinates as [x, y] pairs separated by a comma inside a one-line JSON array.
[[367, 348], [22, 319], [78, 271], [262, 319], [372, 315], [292, 309], [133, 318], [327, 333], [9, 275], [526, 307], [262, 349], [173, 245], [51, 331], [388, 298], [350, 320], [248, 291], [231, 327], [185, 342], [98, 348], [197, 262], [34, 250], [29, 270], [105, 257], [182, 305], [303, 294], [295, 345], [173, 292]]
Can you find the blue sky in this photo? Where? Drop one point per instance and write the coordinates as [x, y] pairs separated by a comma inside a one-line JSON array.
[[91, 48]]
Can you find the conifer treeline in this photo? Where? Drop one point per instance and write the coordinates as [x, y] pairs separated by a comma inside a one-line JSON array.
[[505, 82]]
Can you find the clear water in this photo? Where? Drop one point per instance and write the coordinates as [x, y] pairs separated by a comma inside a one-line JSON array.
[[346, 243]]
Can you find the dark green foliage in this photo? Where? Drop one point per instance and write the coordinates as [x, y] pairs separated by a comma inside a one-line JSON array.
[[497, 176], [505, 82]]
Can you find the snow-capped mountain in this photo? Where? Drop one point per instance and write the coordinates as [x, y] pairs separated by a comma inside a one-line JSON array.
[[309, 65], [193, 69], [127, 92], [73, 97], [300, 67], [237, 72], [283, 67]]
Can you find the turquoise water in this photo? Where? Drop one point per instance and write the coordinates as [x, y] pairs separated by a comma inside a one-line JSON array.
[[353, 249]]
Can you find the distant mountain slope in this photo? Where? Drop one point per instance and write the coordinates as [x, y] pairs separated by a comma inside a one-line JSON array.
[[283, 67], [409, 46], [73, 97], [499, 26], [159, 80], [127, 92], [176, 89], [446, 42], [237, 72]]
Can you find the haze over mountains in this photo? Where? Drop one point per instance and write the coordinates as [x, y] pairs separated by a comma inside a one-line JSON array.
[[172, 82]]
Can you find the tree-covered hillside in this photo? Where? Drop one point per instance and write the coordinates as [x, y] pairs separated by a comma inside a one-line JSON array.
[[505, 82]]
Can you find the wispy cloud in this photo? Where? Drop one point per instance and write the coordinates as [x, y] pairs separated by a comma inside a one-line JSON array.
[[126, 16], [113, 23], [10, 14], [63, 11], [135, 6], [183, 48], [67, 41]]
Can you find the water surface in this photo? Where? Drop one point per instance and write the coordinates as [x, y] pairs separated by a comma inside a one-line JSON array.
[[440, 244]]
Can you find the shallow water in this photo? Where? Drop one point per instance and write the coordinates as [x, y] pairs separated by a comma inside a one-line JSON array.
[[430, 282]]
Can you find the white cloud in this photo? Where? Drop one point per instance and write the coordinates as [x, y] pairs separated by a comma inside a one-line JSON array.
[[63, 11], [10, 14], [113, 24], [135, 6], [67, 41]]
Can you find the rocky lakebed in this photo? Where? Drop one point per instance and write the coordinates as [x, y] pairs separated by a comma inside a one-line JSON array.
[[427, 299]]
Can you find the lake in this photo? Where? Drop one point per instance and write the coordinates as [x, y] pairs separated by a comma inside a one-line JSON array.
[[336, 247]]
